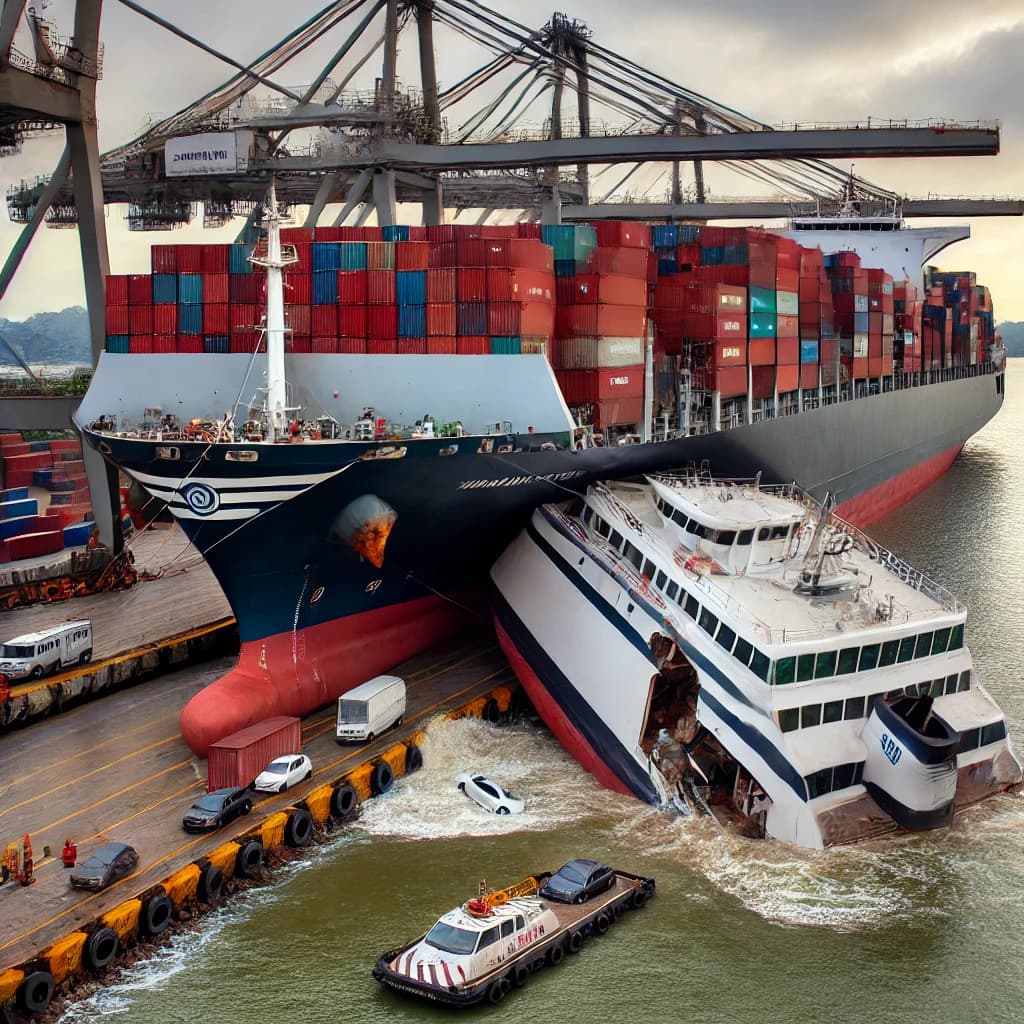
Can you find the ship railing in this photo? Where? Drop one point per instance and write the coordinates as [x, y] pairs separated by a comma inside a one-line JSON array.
[[886, 122]]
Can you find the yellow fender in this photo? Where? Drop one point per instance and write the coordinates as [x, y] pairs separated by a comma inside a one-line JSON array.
[[63, 958], [318, 803], [10, 981], [224, 858], [123, 919], [181, 886]]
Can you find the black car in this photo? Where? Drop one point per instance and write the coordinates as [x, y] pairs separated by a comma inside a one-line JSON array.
[[106, 864], [217, 808], [578, 881]]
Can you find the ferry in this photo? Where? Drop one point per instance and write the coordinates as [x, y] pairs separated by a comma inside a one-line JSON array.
[[734, 648]]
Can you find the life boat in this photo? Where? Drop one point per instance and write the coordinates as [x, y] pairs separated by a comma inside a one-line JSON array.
[[478, 908]]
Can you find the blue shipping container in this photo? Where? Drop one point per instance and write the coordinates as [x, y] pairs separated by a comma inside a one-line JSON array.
[[667, 266], [78, 534], [412, 321], [352, 256], [20, 507], [165, 287], [218, 343], [506, 346], [808, 351], [16, 526], [689, 234], [565, 268], [325, 287], [470, 318], [42, 477], [762, 300], [664, 236], [190, 319], [860, 322], [762, 325], [14, 494], [395, 233], [411, 289], [190, 290], [238, 259], [326, 256], [119, 342]]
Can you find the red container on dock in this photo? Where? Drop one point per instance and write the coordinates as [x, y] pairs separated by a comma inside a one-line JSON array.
[[237, 759]]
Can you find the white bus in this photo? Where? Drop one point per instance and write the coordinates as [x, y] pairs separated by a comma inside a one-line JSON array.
[[37, 654]]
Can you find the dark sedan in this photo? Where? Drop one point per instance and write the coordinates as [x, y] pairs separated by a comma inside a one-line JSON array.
[[578, 881], [216, 809], [105, 865]]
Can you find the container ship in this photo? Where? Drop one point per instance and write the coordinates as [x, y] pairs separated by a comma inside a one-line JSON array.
[[351, 424]]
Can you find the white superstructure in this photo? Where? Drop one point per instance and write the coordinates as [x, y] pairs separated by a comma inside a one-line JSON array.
[[736, 647]]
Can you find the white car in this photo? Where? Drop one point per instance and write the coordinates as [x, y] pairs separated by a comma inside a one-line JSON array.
[[488, 794], [283, 772]]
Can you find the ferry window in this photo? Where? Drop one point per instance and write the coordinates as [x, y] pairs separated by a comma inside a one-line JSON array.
[[951, 682], [727, 537], [588, 514], [940, 641], [726, 637], [843, 776], [679, 517], [804, 668], [968, 740], [825, 666], [956, 637], [924, 645], [660, 580], [889, 650], [965, 681], [906, 649], [848, 660], [858, 773], [789, 719], [745, 537], [819, 783], [760, 665], [810, 715], [832, 711], [616, 540], [520, 922], [936, 687], [648, 569], [780, 532], [633, 556], [692, 606], [507, 927], [603, 528], [673, 590], [868, 657], [993, 732], [764, 533], [488, 937], [698, 529], [785, 671], [707, 622], [853, 708], [743, 650]]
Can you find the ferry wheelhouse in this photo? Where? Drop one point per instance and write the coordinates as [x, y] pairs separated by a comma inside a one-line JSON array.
[[738, 649]]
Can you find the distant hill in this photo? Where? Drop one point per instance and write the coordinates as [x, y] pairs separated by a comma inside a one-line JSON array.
[[58, 338], [1013, 337]]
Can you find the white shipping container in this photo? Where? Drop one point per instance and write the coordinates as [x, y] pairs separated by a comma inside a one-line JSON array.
[[600, 353]]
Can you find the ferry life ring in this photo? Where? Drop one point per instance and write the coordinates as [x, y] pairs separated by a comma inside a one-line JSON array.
[[478, 908]]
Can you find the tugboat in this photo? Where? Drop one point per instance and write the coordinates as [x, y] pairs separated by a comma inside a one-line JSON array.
[[496, 940]]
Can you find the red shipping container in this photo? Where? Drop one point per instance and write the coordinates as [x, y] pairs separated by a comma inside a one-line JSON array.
[[787, 256], [610, 288], [808, 375], [787, 351], [622, 261], [32, 545], [299, 319], [471, 284], [216, 318], [761, 352], [298, 288], [809, 290], [381, 346], [729, 380], [380, 288], [247, 288], [523, 285], [352, 322], [412, 346], [729, 327], [623, 234], [441, 319], [601, 321], [245, 342], [442, 232], [237, 759], [215, 287], [381, 322], [443, 254], [304, 255], [116, 319], [301, 344], [472, 346], [618, 412], [140, 319], [140, 344], [787, 326], [324, 322], [190, 259], [787, 280], [297, 235], [860, 368], [140, 290], [329, 233], [352, 287], [324, 346], [165, 318], [190, 343], [509, 319], [875, 365], [117, 291], [244, 316], [471, 252], [441, 285], [163, 259], [441, 346], [787, 378], [352, 346], [412, 255], [164, 343], [729, 353]]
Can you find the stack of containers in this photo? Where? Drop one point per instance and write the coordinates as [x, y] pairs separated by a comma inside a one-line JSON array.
[[850, 302], [907, 309], [986, 322], [880, 323], [787, 315], [601, 319], [762, 249], [817, 341]]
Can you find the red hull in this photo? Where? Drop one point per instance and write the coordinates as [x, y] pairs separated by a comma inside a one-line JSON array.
[[295, 673]]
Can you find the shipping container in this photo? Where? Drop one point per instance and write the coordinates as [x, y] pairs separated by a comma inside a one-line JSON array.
[[237, 759], [599, 353]]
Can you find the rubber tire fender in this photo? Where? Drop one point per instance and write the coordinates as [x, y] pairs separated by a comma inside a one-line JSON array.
[[36, 991], [100, 949], [211, 884], [640, 897], [498, 990], [575, 942], [156, 914], [521, 975], [249, 859], [413, 758], [344, 801], [602, 923], [556, 954], [298, 830], [491, 712], [383, 778]]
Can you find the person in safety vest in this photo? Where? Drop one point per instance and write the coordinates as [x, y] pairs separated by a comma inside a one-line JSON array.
[[69, 854]]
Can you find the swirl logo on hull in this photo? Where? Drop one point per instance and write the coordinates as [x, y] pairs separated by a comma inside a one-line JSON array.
[[201, 498]]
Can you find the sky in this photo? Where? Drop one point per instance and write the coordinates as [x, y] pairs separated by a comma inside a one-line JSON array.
[[787, 61]]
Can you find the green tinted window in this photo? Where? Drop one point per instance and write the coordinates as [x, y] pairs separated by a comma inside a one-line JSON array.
[[810, 715], [745, 537], [848, 660], [819, 783], [759, 664], [940, 641], [868, 657], [832, 711], [743, 650], [854, 708], [936, 687], [923, 647], [789, 719], [964, 682], [956, 637], [906, 649], [804, 668], [785, 669], [826, 665], [951, 682], [889, 650]]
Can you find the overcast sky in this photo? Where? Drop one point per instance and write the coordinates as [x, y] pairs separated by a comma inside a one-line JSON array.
[[783, 61]]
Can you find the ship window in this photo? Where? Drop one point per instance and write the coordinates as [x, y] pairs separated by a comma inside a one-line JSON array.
[[956, 637], [853, 708], [727, 537], [616, 540], [810, 715], [507, 927], [588, 514], [743, 650], [603, 529], [858, 773], [760, 665], [707, 622], [649, 569], [726, 637], [965, 681], [848, 660], [843, 776], [520, 922], [924, 645], [951, 682], [785, 669], [936, 687], [968, 740], [906, 649], [679, 517], [780, 532], [692, 606], [661, 579], [673, 590], [804, 668], [832, 711], [789, 719], [825, 665], [164, 452], [868, 657], [889, 651], [488, 938], [633, 555], [745, 537], [993, 732], [764, 533], [940, 641], [819, 783], [242, 455]]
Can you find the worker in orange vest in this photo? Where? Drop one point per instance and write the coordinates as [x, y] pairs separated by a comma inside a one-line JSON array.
[[69, 854]]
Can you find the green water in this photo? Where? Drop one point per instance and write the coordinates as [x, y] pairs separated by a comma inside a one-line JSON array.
[[927, 928]]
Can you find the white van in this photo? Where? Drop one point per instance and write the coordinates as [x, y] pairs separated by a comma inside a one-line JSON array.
[[370, 709], [49, 650]]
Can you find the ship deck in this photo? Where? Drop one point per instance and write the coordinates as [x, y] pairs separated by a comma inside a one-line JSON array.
[[117, 769]]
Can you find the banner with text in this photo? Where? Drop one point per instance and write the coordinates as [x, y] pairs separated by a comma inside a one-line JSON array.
[[208, 153]]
